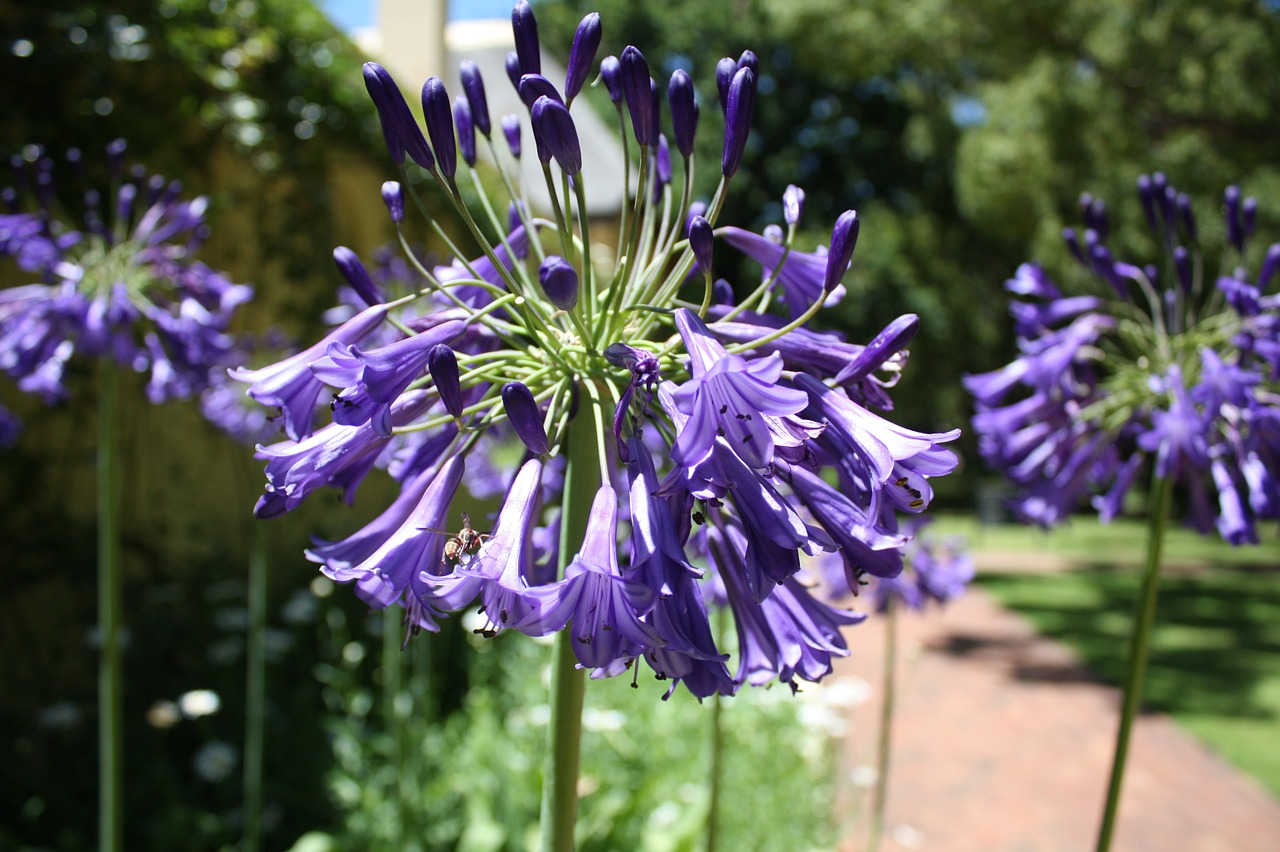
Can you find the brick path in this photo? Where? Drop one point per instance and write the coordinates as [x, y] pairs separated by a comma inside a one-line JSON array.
[[1002, 743]]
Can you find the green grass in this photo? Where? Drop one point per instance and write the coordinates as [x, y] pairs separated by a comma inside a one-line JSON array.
[[1215, 655]]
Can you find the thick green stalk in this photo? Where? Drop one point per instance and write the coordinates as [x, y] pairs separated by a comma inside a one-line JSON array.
[[255, 689], [568, 682], [886, 727], [110, 680], [1139, 644]]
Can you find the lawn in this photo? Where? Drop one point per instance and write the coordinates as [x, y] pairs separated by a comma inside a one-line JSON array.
[[1215, 657]]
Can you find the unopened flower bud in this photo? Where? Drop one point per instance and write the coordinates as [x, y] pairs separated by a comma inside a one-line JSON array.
[[737, 122], [725, 69], [443, 366], [843, 239], [534, 86], [513, 69], [611, 74], [638, 89], [702, 241], [586, 41], [556, 136], [525, 416], [353, 270], [438, 114], [393, 197], [684, 110], [792, 204], [511, 129], [525, 28], [462, 119], [473, 87], [559, 281], [399, 128]]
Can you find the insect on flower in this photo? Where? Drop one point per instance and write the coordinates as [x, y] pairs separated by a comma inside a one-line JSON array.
[[465, 542]]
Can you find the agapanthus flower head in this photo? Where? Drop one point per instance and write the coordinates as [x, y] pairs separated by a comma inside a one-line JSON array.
[[122, 283], [1172, 374], [937, 568], [729, 439]]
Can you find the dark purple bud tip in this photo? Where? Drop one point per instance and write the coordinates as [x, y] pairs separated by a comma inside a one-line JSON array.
[[559, 281], [1270, 264], [513, 69], [525, 28], [464, 122], [722, 292], [1186, 215], [843, 239], [353, 270], [443, 366], [737, 121], [725, 69], [1182, 265], [437, 111], [611, 73], [684, 110], [534, 86], [702, 241], [792, 204], [525, 416], [399, 128], [393, 197], [556, 135], [583, 54], [748, 59], [1235, 232], [1249, 215], [473, 87], [637, 88], [511, 129]]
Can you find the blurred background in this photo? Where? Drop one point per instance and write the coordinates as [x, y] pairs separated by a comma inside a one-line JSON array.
[[963, 133]]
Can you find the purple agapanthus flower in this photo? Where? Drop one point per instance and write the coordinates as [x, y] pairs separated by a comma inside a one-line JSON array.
[[721, 442], [123, 283], [1169, 376]]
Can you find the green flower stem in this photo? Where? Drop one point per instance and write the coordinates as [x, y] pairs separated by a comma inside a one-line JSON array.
[[886, 727], [110, 680], [568, 682], [391, 684], [255, 689], [1139, 644], [716, 783]]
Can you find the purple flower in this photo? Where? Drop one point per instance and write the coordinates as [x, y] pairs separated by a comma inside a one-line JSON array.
[[438, 114], [473, 88], [525, 27], [290, 385], [740, 103], [801, 274], [684, 111], [556, 136], [559, 281], [582, 55]]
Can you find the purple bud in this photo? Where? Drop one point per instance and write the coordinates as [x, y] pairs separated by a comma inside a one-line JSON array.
[[661, 167], [684, 111], [1249, 215], [513, 69], [436, 111], [1235, 233], [555, 135], [1187, 215], [353, 270], [702, 241], [1073, 245], [843, 238], [582, 55], [697, 208], [534, 86], [1269, 265], [737, 123], [638, 89], [1148, 202], [1159, 182], [559, 281], [393, 197], [722, 292], [792, 204], [514, 221], [525, 28], [611, 73], [522, 410], [1182, 264], [1097, 219], [748, 59], [124, 201], [115, 156], [473, 86], [774, 233], [399, 128], [443, 366], [511, 129], [462, 119], [725, 69]]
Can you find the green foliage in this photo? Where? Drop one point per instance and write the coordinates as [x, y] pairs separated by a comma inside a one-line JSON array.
[[472, 781]]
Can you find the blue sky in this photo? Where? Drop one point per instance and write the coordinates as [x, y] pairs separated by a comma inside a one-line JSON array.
[[352, 14]]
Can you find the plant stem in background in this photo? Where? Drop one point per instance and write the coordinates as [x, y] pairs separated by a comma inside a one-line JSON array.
[[1139, 644], [886, 725], [717, 752], [568, 682], [110, 680], [392, 661], [255, 689]]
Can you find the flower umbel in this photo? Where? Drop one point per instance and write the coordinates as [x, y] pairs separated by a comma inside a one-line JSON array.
[[1165, 368], [719, 417]]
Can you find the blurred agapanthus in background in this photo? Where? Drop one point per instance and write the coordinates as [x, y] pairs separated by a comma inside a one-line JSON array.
[[1167, 367]]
